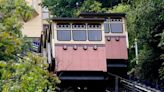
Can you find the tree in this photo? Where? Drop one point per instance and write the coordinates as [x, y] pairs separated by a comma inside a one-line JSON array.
[[149, 21], [147, 25], [72, 8], [29, 74], [145, 22], [62, 8], [161, 45], [90, 6], [111, 3], [20, 69], [12, 41]]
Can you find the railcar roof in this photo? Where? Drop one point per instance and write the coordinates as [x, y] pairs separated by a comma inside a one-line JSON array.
[[79, 19], [88, 14]]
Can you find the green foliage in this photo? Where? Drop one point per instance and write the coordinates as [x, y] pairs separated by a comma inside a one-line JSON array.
[[111, 3], [91, 6], [9, 46], [72, 8], [20, 70], [23, 10], [120, 8], [61, 8], [145, 22], [161, 45], [161, 71], [149, 23], [29, 74], [16, 8], [12, 42]]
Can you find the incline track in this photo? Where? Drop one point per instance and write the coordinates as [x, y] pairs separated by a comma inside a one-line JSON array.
[[120, 84], [131, 86]]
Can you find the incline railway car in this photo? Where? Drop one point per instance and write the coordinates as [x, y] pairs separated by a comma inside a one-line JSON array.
[[88, 47], [79, 48], [116, 40]]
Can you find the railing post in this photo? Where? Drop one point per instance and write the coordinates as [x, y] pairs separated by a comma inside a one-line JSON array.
[[136, 50], [116, 84], [133, 87]]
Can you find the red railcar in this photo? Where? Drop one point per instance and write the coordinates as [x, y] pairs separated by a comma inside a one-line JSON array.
[[88, 47], [116, 40]]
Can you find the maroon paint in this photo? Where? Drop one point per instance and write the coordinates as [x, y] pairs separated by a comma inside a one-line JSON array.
[[80, 59], [116, 49]]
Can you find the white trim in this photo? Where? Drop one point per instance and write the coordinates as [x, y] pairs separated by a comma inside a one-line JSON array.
[[79, 42], [119, 34], [127, 41], [49, 53]]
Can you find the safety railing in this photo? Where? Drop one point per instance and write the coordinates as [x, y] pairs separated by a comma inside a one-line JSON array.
[[131, 85]]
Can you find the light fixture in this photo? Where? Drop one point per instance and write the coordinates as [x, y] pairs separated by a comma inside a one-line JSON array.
[[95, 47], [85, 47], [75, 47], [65, 47], [108, 38], [117, 38]]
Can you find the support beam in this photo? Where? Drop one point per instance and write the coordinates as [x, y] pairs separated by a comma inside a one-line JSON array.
[[136, 51], [116, 84]]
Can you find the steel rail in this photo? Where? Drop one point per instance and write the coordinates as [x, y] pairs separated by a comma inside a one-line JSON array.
[[134, 86]]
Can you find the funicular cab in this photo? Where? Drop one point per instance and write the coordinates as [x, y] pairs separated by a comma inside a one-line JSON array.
[[116, 41], [79, 48], [86, 48]]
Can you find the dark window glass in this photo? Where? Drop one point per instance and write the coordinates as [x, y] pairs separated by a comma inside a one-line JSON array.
[[94, 35], [106, 27], [116, 20], [116, 27], [94, 25], [78, 25], [79, 35], [64, 35], [63, 25]]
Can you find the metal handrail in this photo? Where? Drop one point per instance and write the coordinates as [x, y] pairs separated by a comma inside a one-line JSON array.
[[134, 85]]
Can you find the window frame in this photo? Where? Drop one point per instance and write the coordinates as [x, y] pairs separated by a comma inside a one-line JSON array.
[[85, 29], [122, 31], [78, 24], [94, 24], [73, 38], [108, 23], [108, 27], [68, 25], [95, 30], [70, 38]]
